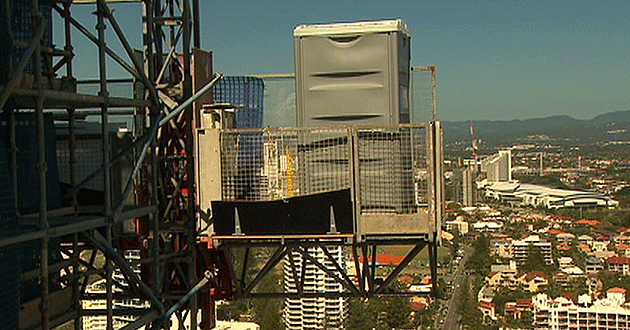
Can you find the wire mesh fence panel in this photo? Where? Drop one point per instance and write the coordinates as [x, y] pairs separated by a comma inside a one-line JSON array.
[[392, 169], [324, 158], [270, 164], [273, 164]]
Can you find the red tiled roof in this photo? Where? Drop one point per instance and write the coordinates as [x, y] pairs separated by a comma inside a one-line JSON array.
[[532, 275], [524, 302], [486, 305], [602, 238], [559, 217], [588, 222], [554, 231], [417, 306], [563, 246], [406, 279], [622, 246], [618, 261], [617, 290]]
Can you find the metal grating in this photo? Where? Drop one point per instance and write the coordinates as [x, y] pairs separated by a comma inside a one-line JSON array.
[[270, 164], [28, 180], [23, 29], [273, 164], [246, 94], [392, 166]]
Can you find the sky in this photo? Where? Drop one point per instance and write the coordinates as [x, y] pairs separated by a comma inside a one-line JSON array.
[[496, 60]]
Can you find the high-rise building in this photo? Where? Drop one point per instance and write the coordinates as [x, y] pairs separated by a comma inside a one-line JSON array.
[[468, 186], [99, 322], [314, 312], [498, 167]]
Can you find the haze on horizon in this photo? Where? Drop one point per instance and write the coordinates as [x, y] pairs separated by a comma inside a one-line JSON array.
[[496, 60]]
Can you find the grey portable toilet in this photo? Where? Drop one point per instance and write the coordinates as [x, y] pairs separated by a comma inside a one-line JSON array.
[[352, 73]]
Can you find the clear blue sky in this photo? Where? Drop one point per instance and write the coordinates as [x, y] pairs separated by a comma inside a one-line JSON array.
[[495, 59]]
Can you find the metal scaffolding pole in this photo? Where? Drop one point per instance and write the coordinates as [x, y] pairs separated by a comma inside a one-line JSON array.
[[100, 26]]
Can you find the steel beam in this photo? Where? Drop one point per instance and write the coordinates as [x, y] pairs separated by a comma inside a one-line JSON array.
[[408, 258]]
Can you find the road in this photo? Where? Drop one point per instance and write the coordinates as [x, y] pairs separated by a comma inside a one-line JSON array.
[[451, 320]]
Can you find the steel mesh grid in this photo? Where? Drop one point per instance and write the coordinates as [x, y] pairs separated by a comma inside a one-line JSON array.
[[271, 164], [246, 93], [88, 151], [391, 163], [281, 163]]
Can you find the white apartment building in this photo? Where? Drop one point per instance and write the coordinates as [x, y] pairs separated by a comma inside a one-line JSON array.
[[498, 167], [314, 312], [100, 322], [460, 225], [521, 249], [95, 322], [609, 313]]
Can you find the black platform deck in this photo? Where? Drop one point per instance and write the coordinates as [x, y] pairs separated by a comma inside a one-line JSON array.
[[304, 215]]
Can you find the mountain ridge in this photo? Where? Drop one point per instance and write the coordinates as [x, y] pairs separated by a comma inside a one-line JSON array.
[[612, 126]]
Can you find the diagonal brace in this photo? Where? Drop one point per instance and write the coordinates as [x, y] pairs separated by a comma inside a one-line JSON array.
[[101, 243], [412, 254], [273, 261]]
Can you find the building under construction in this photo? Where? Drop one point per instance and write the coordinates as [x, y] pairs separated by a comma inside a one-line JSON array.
[[147, 195]]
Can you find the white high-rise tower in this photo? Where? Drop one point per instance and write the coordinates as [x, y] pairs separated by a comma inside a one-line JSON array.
[[314, 312]]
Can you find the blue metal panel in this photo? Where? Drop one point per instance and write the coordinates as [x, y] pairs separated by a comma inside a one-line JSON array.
[[245, 93], [23, 29]]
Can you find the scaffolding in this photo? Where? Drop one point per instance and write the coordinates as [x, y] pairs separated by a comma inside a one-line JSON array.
[[153, 210], [150, 209]]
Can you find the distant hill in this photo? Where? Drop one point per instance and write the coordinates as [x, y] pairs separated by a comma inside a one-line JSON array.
[[613, 126]]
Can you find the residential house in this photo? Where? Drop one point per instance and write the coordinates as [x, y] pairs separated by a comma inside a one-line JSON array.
[[563, 247], [594, 264], [564, 262], [518, 307], [585, 248], [533, 281], [488, 226], [585, 239], [600, 244], [565, 238], [488, 309], [618, 265], [486, 294], [623, 249], [574, 271], [503, 279]]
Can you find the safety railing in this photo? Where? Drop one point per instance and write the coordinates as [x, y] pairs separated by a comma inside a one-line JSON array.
[[386, 167]]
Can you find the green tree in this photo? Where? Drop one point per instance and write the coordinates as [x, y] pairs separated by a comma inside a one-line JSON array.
[[481, 259], [536, 262], [362, 314], [467, 306], [380, 312], [268, 312]]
